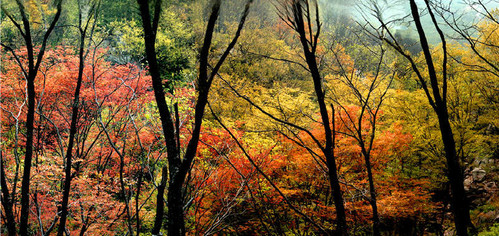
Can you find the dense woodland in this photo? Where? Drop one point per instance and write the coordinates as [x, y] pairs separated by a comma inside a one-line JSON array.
[[249, 117]]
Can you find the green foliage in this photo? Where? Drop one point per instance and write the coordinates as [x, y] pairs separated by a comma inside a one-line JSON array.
[[118, 10], [174, 44], [10, 34], [493, 231], [39, 15]]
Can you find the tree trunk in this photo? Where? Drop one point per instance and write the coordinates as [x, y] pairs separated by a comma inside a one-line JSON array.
[[160, 206], [337, 197], [459, 202], [328, 149], [178, 167], [72, 134], [23, 227], [30, 116], [372, 194], [150, 29], [6, 201], [176, 225]]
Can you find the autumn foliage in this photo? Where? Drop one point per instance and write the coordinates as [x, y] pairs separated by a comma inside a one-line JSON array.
[[261, 166], [111, 104]]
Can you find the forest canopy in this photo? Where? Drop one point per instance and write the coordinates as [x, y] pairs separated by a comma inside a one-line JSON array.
[[249, 117]]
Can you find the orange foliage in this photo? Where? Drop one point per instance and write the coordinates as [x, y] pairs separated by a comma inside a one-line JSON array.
[[113, 93]]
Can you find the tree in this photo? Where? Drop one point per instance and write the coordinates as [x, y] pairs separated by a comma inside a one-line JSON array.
[[116, 92], [178, 166], [298, 14], [369, 89], [84, 25], [436, 94], [30, 71]]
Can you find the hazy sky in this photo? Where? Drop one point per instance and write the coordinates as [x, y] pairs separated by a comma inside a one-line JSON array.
[[352, 7], [396, 9]]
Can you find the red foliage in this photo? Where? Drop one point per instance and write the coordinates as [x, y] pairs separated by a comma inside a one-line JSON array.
[[116, 95]]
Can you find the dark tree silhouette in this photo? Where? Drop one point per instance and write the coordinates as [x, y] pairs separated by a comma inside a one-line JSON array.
[[299, 15], [34, 61], [84, 25], [178, 166], [436, 92]]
